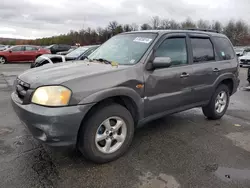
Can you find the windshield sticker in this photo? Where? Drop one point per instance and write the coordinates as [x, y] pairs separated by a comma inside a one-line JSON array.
[[132, 61], [223, 53], [143, 40]]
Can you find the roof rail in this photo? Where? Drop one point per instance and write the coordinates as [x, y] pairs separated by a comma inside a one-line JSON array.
[[206, 30]]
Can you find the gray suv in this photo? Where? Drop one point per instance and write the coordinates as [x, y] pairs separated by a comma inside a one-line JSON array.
[[96, 104]]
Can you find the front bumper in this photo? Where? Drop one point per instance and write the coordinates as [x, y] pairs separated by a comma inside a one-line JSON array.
[[57, 126]]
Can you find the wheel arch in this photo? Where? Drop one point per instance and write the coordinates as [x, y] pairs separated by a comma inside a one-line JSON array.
[[228, 80]]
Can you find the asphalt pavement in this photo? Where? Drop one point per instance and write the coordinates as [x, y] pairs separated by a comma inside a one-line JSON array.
[[181, 150]]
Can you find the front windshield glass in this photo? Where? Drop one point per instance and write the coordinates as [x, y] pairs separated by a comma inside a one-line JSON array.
[[239, 50], [247, 54], [124, 49], [77, 52]]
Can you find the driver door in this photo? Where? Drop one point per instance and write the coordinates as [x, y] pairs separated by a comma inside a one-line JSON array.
[[17, 54], [167, 89]]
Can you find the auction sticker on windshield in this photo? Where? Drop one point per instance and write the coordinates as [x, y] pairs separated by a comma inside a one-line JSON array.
[[143, 40]]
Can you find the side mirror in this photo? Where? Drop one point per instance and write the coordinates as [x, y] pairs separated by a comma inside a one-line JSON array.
[[161, 62], [10, 51]]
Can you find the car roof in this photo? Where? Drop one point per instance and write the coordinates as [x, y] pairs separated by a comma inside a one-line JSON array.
[[162, 32]]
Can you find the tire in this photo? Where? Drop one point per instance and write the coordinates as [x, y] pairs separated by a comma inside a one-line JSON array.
[[211, 111], [3, 60], [96, 151]]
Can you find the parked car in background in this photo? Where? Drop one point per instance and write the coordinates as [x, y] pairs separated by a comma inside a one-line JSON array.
[[131, 79], [2, 47], [240, 51], [81, 53], [55, 48], [47, 59], [245, 59], [22, 53], [78, 54], [66, 52]]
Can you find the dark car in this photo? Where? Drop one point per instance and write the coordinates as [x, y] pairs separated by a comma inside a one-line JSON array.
[[81, 53], [22, 53], [131, 79], [66, 52], [55, 48], [78, 54]]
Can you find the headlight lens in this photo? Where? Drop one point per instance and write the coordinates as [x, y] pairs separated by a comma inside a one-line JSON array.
[[51, 96]]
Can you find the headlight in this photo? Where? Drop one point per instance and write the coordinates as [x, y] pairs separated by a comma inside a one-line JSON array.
[[51, 96]]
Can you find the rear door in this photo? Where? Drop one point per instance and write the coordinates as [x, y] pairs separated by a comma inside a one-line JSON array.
[[17, 54], [205, 67], [30, 53]]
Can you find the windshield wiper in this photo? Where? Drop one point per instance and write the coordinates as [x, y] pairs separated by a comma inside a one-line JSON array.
[[103, 60]]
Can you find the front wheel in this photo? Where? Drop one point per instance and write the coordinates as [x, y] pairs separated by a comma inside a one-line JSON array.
[[2, 60], [218, 104], [107, 133]]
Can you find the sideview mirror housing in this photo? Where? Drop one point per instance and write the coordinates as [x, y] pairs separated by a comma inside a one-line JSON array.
[[10, 51], [161, 62]]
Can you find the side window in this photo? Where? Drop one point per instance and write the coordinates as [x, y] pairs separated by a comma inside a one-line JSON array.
[[224, 48], [175, 48], [17, 49], [30, 48], [202, 50], [56, 59]]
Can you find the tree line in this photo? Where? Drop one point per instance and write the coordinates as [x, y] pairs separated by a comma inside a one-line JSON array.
[[237, 31]]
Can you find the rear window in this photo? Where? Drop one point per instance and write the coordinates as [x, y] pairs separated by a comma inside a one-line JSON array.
[[202, 50], [224, 48]]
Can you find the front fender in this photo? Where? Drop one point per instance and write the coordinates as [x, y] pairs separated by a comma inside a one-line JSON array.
[[113, 92]]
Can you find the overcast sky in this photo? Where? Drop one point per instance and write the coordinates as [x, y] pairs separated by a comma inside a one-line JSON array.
[[40, 18]]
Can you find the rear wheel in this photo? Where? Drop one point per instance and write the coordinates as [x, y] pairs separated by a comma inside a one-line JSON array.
[[107, 133], [2, 60], [218, 104]]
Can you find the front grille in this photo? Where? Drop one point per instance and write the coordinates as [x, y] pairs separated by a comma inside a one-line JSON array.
[[21, 89]]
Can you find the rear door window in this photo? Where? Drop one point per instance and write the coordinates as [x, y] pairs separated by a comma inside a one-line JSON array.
[[30, 48], [224, 48], [203, 50]]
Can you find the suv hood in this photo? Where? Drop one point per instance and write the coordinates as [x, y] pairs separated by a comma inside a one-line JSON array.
[[53, 74], [247, 57]]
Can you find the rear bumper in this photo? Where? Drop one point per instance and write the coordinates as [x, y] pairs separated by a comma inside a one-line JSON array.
[[52, 126], [236, 85]]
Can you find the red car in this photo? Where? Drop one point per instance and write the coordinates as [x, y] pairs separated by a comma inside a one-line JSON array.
[[22, 53]]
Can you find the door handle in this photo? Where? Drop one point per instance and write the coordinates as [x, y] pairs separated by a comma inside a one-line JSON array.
[[184, 75], [216, 70]]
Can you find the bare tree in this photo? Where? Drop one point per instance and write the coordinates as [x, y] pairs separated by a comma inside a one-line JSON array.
[[203, 24], [188, 24], [134, 27], [155, 22], [217, 26], [145, 26]]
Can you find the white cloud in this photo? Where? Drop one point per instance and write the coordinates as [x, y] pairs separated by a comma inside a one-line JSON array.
[[36, 18]]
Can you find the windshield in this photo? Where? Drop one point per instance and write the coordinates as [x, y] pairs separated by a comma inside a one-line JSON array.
[[77, 52], [239, 50], [247, 54], [124, 49]]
